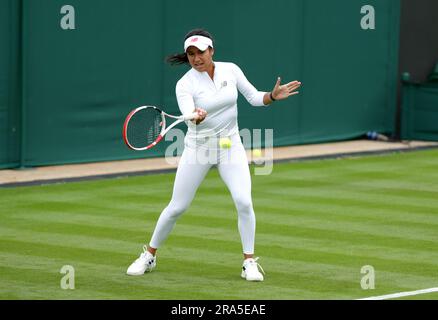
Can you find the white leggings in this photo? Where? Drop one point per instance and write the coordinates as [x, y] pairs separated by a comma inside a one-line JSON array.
[[192, 168]]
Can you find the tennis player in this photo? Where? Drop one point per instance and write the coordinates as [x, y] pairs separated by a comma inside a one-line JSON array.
[[210, 88]]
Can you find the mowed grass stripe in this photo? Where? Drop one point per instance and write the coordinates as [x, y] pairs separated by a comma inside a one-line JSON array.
[[181, 229], [218, 242], [303, 275], [91, 220], [358, 195], [387, 188], [78, 242], [42, 286], [166, 282], [355, 200], [332, 231], [118, 284], [194, 271], [333, 210], [346, 212], [294, 236], [146, 218]]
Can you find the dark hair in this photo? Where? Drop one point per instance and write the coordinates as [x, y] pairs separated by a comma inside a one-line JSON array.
[[181, 58]]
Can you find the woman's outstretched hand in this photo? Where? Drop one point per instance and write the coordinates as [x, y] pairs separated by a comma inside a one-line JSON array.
[[284, 91]]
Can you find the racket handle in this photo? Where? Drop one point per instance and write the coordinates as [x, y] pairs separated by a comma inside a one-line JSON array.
[[190, 116]]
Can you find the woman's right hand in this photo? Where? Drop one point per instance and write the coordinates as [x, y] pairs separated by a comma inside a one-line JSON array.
[[201, 114]]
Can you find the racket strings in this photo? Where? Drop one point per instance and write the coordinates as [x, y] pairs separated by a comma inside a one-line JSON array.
[[144, 127]]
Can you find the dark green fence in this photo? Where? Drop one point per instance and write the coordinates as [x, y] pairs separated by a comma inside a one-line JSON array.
[[420, 111], [10, 94], [64, 93]]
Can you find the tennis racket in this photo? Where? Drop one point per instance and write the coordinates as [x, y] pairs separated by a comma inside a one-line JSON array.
[[145, 126]]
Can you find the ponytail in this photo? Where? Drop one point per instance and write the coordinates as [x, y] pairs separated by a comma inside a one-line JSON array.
[[177, 59]]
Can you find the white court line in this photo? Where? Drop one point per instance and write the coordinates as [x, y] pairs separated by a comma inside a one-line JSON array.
[[401, 294]]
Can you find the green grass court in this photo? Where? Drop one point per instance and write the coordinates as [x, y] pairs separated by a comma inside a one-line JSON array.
[[318, 223]]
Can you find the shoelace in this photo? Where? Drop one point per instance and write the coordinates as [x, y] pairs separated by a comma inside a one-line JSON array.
[[144, 253], [258, 265]]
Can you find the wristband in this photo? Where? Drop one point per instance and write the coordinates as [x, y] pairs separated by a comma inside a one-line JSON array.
[[272, 98]]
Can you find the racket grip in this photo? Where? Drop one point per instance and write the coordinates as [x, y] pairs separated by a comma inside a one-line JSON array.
[[190, 116]]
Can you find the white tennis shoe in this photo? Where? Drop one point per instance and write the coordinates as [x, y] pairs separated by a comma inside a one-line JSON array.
[[145, 263], [250, 270]]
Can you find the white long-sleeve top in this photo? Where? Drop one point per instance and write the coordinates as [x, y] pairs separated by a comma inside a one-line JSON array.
[[218, 97]]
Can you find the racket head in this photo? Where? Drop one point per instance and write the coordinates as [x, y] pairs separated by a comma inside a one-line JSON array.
[[143, 127]]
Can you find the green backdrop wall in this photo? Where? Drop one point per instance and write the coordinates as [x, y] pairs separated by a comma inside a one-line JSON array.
[[10, 95], [64, 93], [420, 111]]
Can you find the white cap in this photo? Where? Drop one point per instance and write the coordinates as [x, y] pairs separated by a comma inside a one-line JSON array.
[[200, 42]]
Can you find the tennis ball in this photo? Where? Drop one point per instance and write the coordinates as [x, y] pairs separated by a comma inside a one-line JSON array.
[[257, 153], [225, 143]]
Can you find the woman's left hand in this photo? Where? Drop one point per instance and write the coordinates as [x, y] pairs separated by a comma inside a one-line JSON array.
[[284, 91]]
